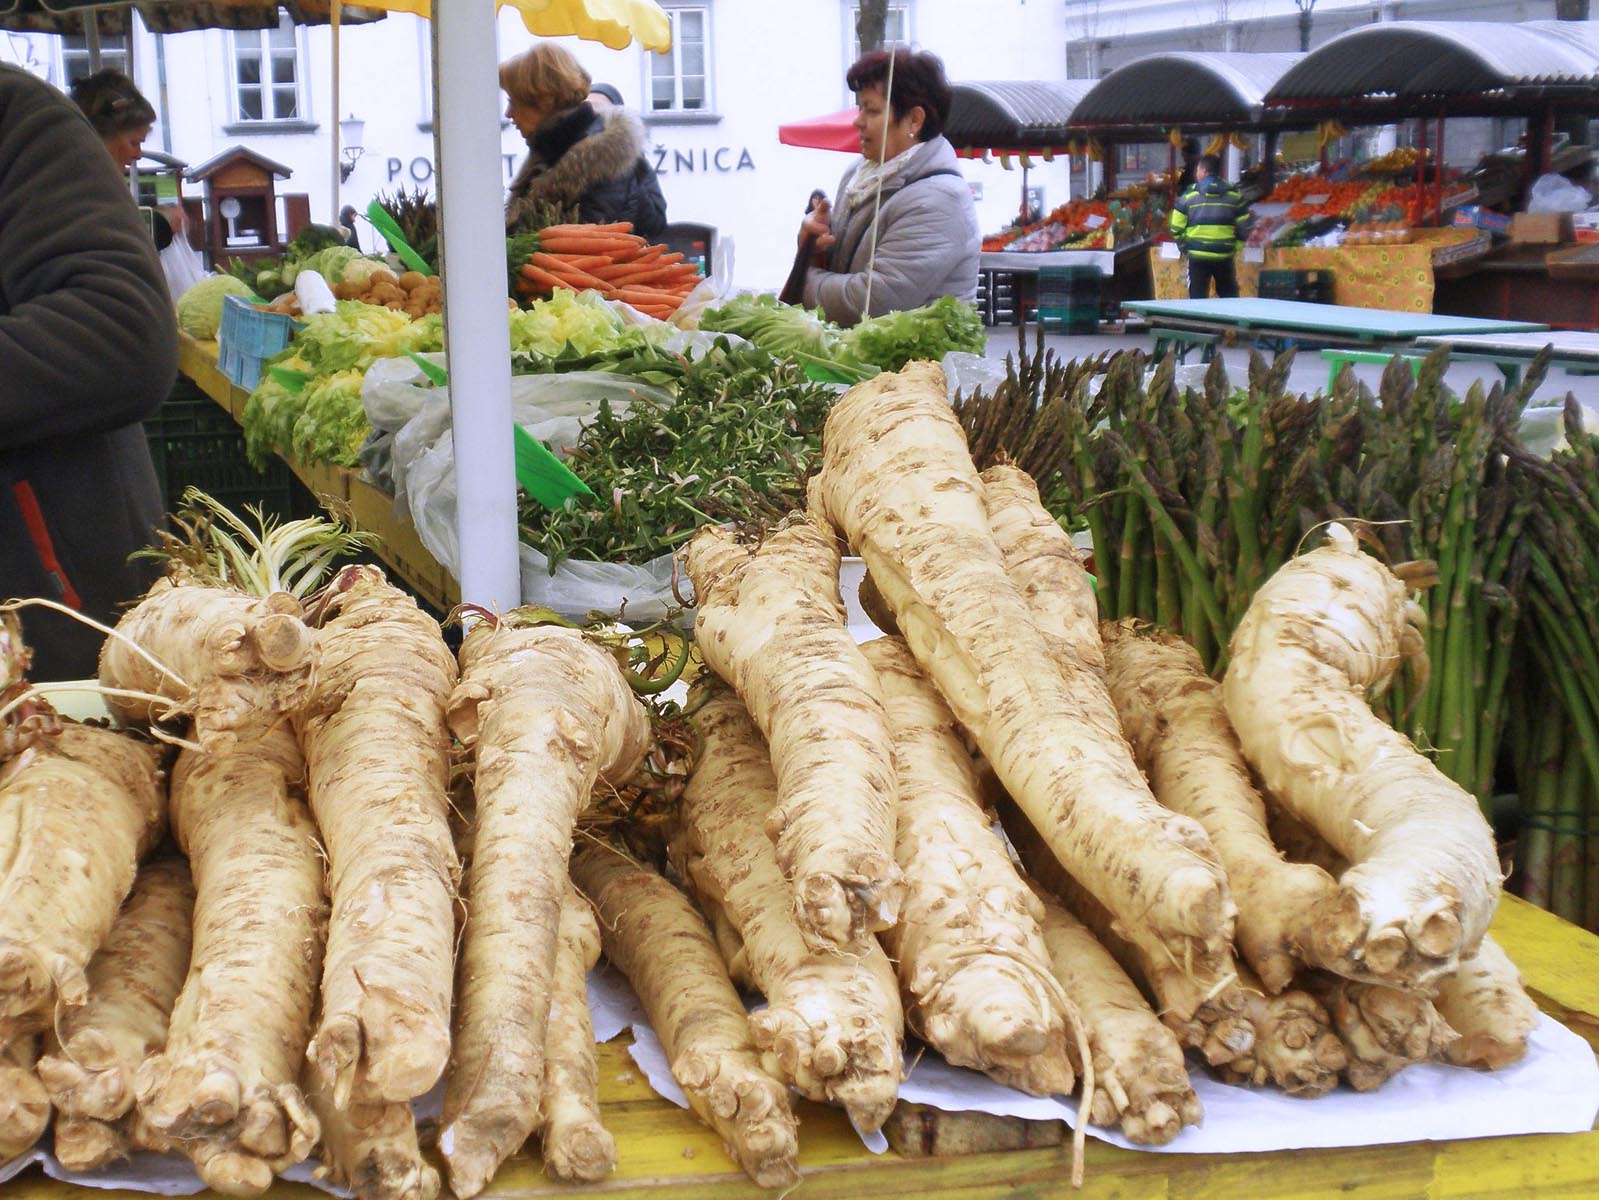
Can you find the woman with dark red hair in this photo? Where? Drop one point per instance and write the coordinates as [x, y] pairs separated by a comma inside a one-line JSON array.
[[903, 231]]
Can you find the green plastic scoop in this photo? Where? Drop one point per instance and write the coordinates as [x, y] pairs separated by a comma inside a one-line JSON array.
[[384, 224], [542, 476]]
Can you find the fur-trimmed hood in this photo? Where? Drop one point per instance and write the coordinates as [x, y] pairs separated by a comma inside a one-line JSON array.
[[571, 154]]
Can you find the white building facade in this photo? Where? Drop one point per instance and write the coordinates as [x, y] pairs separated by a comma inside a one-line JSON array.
[[738, 69]]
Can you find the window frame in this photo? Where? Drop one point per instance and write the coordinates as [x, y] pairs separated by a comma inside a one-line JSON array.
[[677, 114], [852, 45], [301, 122], [113, 54]]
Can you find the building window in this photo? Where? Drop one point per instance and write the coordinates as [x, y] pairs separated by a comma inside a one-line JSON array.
[[680, 80], [75, 57], [896, 28], [266, 73]]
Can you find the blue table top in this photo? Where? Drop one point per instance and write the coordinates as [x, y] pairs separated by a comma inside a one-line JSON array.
[[1367, 323]]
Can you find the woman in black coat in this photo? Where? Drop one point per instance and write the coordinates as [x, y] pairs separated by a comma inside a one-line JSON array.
[[576, 156]]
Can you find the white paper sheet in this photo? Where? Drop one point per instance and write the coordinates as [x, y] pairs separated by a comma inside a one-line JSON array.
[[1555, 1089], [20, 1163]]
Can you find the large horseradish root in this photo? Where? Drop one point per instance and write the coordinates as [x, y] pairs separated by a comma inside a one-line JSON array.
[[1215, 1022], [1485, 1003], [134, 981], [24, 1104], [77, 812], [577, 1146], [226, 1087], [1172, 714], [1140, 1079], [377, 753], [1383, 1029], [548, 716], [898, 481], [235, 663], [1295, 1047], [971, 957], [832, 1025], [1423, 879], [651, 932], [771, 623]]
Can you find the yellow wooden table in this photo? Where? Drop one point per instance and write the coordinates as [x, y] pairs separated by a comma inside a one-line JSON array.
[[667, 1155], [342, 491]]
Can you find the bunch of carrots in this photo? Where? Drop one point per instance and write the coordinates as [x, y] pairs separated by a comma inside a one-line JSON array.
[[612, 260]]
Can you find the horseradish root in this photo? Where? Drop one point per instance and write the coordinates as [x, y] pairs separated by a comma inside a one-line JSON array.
[[771, 623]]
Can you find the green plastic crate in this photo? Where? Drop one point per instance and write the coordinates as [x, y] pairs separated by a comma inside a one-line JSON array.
[[1075, 319], [195, 443]]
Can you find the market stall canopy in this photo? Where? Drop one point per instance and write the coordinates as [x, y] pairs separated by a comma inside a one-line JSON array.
[[613, 23], [112, 17], [1182, 89], [998, 115], [1464, 62]]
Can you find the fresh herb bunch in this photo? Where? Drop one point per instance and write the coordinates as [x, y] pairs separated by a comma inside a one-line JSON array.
[[736, 444]]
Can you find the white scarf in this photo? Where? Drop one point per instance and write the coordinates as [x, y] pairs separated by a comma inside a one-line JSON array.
[[869, 176]]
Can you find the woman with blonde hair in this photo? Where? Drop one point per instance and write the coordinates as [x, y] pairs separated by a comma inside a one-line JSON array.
[[576, 156]]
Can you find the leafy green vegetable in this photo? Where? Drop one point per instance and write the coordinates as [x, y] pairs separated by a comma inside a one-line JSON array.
[[932, 331], [332, 422], [581, 322], [200, 308], [737, 441], [272, 409], [355, 335], [788, 331]]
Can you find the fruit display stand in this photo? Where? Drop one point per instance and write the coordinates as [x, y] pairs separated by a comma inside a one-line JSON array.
[[369, 507], [1399, 276], [666, 1154]]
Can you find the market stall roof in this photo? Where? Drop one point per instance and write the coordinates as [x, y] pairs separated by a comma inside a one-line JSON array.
[[1487, 60], [1013, 114], [233, 154], [983, 115], [112, 17], [1187, 89]]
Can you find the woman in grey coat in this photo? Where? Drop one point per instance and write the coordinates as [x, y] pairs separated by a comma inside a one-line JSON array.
[[927, 238]]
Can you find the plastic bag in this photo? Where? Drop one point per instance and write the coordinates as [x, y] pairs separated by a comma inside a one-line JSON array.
[[414, 417], [1557, 194], [183, 266]]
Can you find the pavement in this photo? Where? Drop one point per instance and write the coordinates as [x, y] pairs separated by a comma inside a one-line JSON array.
[[1309, 372]]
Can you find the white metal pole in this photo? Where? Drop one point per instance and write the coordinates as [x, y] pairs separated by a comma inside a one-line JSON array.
[[477, 334], [334, 181]]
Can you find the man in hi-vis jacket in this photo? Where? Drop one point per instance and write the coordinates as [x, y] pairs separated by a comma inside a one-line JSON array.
[[1209, 223]]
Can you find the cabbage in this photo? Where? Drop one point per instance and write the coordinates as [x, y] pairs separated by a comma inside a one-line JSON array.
[[359, 270], [327, 263], [200, 308]]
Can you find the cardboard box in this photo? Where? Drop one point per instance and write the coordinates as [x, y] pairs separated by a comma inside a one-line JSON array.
[[1541, 229], [1585, 226], [1475, 216]]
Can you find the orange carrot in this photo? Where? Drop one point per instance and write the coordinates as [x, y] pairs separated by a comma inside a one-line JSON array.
[[540, 277], [568, 274], [613, 227], [603, 243], [587, 262], [636, 296], [655, 276]]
